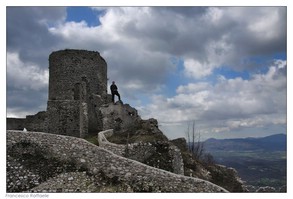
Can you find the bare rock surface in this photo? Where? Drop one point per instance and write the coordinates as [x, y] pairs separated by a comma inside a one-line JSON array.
[[88, 163]]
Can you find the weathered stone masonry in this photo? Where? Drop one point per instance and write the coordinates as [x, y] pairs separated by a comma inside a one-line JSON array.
[[77, 89], [75, 78], [95, 159], [38, 122]]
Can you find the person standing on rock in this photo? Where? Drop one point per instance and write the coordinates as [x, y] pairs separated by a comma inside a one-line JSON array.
[[114, 91]]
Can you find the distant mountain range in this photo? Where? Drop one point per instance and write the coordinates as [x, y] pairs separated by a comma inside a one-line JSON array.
[[276, 142]]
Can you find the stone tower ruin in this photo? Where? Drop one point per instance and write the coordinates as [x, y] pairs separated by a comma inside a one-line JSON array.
[[77, 88], [77, 98]]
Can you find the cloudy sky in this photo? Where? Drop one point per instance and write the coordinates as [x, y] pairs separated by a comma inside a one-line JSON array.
[[225, 68]]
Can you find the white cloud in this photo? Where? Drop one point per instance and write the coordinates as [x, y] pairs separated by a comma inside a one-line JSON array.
[[196, 69], [213, 15], [265, 25], [229, 104], [121, 40], [138, 46], [192, 88], [25, 75]]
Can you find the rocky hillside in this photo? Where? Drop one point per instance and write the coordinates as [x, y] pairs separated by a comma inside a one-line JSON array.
[[132, 129], [42, 162], [135, 156]]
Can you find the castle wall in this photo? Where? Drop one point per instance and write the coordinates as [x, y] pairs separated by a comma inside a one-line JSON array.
[[68, 67], [37, 122], [76, 78], [64, 117], [77, 89], [15, 123]]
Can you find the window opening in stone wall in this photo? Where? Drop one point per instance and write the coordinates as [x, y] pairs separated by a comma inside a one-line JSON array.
[[76, 91]]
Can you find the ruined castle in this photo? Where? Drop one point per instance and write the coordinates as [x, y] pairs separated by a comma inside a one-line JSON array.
[[77, 89], [54, 159]]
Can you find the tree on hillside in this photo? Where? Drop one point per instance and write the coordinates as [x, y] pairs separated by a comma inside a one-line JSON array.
[[195, 146]]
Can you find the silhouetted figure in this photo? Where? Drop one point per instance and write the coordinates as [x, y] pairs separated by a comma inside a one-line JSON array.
[[114, 91]]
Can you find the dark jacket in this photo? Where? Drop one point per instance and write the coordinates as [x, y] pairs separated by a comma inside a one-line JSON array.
[[113, 88]]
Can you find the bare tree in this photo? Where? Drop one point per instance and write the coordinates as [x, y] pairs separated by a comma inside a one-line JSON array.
[[195, 146]]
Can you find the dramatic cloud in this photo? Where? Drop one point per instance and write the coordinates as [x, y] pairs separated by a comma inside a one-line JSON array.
[[25, 76], [27, 87], [28, 45], [28, 35], [229, 104]]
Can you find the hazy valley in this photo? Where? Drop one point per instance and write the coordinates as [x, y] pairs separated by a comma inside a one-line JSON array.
[[258, 161]]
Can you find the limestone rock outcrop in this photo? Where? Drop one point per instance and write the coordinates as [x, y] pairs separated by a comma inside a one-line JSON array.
[[119, 116], [89, 168]]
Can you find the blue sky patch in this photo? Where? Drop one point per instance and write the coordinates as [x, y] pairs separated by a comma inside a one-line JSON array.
[[78, 14], [175, 78]]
